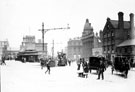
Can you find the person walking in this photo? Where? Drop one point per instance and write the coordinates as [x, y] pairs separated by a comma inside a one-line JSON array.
[[101, 69], [3, 60], [42, 63], [127, 67], [69, 62], [48, 66]]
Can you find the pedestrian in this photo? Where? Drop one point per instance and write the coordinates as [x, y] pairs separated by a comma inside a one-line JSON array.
[[85, 67], [3, 60], [42, 63], [48, 66], [79, 64], [112, 63], [127, 67], [101, 69], [69, 62]]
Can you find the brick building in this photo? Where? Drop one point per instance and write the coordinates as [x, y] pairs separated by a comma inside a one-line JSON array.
[[116, 32], [74, 48]]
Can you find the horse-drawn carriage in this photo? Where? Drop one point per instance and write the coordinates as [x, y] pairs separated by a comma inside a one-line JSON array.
[[62, 60], [94, 63], [121, 64]]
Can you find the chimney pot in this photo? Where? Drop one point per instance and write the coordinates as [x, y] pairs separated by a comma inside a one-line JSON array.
[[120, 20], [132, 25]]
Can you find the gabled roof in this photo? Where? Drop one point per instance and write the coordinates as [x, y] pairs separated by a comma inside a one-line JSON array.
[[130, 42], [115, 24]]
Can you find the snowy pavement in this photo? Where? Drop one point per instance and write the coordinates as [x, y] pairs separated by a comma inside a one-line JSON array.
[[29, 77]]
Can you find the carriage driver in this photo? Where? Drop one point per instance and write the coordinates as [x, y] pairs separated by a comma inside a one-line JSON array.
[[101, 69]]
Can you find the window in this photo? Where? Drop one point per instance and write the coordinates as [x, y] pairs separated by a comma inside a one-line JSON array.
[[126, 50], [112, 47], [104, 48], [108, 48], [112, 33]]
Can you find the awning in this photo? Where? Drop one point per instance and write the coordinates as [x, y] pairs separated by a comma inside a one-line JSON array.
[[130, 42], [28, 53], [33, 54]]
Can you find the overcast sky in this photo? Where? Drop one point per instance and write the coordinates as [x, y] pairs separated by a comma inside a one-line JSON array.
[[24, 17]]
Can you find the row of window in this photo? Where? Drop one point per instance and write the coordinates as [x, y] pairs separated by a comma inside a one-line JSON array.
[[124, 50], [109, 40], [74, 43], [75, 50], [3, 43], [108, 48], [108, 35]]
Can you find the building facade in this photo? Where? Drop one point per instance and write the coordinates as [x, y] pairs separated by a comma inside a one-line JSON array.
[[97, 50], [89, 40], [74, 49], [39, 48], [3, 47], [29, 43], [116, 32]]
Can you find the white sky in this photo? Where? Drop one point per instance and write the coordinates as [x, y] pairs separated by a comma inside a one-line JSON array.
[[24, 17]]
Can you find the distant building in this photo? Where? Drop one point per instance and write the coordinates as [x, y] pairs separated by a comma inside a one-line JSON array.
[[74, 48], [12, 53], [39, 48], [97, 49], [89, 40], [118, 37], [29, 43], [3, 48]]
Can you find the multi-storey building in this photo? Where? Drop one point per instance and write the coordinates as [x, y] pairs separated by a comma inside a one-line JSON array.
[[74, 49], [39, 48], [89, 40], [115, 32], [3, 47], [127, 47], [29, 43]]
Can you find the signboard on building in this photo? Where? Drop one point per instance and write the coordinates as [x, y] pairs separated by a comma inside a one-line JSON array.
[[97, 52]]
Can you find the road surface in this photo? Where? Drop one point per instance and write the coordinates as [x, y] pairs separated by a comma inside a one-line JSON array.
[[29, 77]]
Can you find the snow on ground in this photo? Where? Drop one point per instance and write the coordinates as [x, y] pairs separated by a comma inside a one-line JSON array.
[[29, 77]]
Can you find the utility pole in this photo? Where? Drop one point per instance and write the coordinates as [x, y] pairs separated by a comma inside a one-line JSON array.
[[45, 30], [53, 49]]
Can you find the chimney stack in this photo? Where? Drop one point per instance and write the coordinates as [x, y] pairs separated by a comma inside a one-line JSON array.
[[120, 20], [132, 25]]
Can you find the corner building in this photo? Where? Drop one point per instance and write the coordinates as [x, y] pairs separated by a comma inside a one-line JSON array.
[[117, 35], [89, 40]]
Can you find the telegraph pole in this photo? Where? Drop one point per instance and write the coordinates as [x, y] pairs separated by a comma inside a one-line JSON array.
[[45, 30], [43, 35], [53, 49]]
